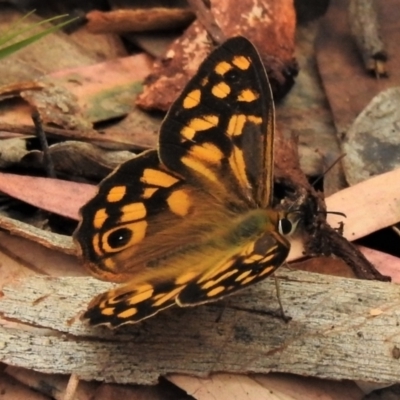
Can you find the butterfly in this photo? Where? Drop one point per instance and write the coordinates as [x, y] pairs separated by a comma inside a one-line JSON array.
[[193, 221]]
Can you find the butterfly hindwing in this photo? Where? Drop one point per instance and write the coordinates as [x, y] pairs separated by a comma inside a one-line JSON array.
[[226, 274], [255, 262]]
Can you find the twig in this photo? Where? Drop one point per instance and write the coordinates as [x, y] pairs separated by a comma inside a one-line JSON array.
[[205, 17], [70, 390], [48, 162]]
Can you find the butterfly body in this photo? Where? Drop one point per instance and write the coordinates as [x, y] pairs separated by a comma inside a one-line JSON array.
[[193, 221]]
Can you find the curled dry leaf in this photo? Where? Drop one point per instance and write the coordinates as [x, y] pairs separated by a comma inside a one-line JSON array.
[[256, 20]]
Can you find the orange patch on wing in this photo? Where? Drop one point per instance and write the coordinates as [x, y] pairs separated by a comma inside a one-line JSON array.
[[116, 194], [133, 212], [99, 218], [179, 202], [222, 68], [199, 124], [248, 95], [217, 290], [221, 90], [192, 99], [155, 177], [241, 62], [128, 313]]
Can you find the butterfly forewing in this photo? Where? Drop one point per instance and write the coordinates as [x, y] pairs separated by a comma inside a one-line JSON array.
[[193, 222], [220, 129]]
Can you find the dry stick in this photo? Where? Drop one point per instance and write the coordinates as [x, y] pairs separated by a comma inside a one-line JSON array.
[[59, 133], [364, 25], [205, 17], [336, 325], [72, 385], [51, 172]]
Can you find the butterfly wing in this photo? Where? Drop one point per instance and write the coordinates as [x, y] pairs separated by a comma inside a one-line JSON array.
[[176, 225], [221, 128], [116, 221]]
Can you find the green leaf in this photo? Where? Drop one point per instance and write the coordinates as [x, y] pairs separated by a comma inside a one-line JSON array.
[[16, 31]]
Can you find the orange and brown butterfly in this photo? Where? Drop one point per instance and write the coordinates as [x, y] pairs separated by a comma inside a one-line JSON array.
[[193, 221]]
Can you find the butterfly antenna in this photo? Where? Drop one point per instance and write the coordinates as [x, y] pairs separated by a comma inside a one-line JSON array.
[[334, 213], [327, 170]]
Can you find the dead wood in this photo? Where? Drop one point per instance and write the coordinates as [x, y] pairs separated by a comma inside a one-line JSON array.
[[336, 324]]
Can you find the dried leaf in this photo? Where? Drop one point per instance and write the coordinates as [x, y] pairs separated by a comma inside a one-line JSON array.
[[330, 319], [139, 20], [55, 195]]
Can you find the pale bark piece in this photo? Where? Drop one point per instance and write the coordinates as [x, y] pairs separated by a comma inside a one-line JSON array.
[[47, 239], [11, 151], [271, 386], [58, 106], [369, 206], [223, 387], [22, 257], [336, 325]]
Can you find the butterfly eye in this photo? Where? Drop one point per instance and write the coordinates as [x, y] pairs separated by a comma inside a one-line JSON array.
[[285, 226], [119, 238]]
